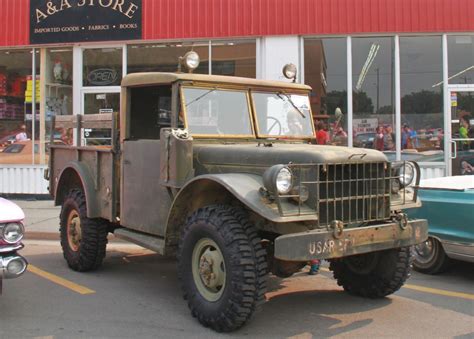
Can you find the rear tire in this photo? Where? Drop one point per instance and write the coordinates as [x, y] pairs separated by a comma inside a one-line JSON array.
[[83, 239], [373, 275], [430, 257], [222, 267]]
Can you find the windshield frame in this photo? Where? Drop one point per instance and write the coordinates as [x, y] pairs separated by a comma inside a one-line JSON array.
[[217, 87], [282, 137]]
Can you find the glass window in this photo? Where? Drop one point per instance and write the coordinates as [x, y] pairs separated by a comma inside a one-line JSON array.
[[102, 67], [461, 59], [283, 115], [325, 67], [16, 85], [217, 112], [237, 58], [373, 93], [165, 57], [421, 91]]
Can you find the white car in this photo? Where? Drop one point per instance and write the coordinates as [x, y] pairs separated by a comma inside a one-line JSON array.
[[12, 230]]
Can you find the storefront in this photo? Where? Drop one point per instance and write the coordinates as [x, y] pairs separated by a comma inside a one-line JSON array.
[[403, 70]]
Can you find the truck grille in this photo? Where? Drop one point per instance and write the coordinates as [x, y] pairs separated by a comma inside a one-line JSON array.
[[350, 192]]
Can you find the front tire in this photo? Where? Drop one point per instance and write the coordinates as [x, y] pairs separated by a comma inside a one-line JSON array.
[[373, 275], [222, 267], [83, 239], [430, 257]]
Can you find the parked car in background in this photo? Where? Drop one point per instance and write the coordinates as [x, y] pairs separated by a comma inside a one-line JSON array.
[[448, 204], [12, 230], [364, 140]]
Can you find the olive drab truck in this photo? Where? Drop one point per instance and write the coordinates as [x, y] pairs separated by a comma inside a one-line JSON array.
[[223, 174]]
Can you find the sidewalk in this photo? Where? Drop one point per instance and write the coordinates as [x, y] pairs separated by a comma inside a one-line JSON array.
[[41, 219]]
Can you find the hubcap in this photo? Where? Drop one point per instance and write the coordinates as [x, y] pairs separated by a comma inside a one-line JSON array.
[[208, 269], [74, 234], [425, 251]]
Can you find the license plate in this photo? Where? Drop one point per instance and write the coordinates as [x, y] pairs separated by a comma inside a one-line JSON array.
[[330, 246]]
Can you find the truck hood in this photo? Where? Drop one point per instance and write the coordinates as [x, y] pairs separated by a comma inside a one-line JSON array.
[[258, 155]]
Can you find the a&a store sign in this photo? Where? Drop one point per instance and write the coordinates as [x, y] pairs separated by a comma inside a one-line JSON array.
[[57, 21]]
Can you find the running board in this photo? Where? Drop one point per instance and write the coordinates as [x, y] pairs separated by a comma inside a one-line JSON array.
[[145, 240]]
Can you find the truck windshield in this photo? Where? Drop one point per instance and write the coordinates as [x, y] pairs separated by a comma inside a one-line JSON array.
[[283, 115], [211, 111]]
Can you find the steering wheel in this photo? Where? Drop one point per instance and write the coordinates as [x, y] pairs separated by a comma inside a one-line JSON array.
[[276, 123]]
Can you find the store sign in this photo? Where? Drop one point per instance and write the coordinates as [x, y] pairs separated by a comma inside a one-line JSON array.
[[57, 21], [102, 77], [365, 125]]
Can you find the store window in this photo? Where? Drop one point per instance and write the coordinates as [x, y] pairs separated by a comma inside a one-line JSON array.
[[165, 57], [16, 86], [461, 59], [373, 93], [421, 91], [325, 71], [102, 67], [236, 58]]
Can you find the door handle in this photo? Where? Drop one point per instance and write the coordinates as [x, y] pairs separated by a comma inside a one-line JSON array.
[[454, 154]]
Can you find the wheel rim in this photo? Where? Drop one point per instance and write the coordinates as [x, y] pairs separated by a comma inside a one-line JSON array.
[[74, 234], [208, 268], [425, 252], [362, 264]]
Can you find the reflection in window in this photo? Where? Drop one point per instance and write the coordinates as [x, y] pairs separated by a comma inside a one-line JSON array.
[[461, 59], [236, 58], [165, 57], [373, 92], [421, 96], [326, 73], [217, 112], [283, 114]]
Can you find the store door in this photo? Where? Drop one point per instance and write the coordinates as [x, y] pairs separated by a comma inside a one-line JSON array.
[[462, 131], [102, 72]]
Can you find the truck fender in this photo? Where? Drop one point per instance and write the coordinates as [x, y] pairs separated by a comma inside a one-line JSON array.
[[77, 175], [221, 189]]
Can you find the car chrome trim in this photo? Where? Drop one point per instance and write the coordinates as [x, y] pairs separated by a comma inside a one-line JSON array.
[[11, 248], [4, 261]]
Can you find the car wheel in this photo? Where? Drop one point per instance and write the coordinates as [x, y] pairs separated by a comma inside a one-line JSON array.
[[430, 257], [83, 239], [222, 267], [373, 275]]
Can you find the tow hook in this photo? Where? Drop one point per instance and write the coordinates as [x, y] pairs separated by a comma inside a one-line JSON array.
[[337, 228], [402, 220]]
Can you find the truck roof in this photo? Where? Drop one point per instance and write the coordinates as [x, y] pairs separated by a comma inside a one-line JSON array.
[[151, 78]]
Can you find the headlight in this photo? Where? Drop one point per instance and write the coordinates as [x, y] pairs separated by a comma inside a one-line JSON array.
[[289, 71], [407, 174], [13, 232], [278, 179], [16, 267], [191, 60]]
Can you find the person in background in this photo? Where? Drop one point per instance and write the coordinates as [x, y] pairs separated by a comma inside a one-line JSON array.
[[22, 136], [465, 132], [389, 138], [405, 136], [322, 135], [378, 143], [314, 266]]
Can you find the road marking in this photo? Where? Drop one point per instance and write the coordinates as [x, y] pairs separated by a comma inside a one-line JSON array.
[[431, 290], [440, 292], [60, 281]]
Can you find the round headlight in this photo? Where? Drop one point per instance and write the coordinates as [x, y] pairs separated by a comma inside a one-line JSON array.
[[278, 179], [191, 60], [16, 266], [13, 233], [407, 174], [284, 181], [289, 71]]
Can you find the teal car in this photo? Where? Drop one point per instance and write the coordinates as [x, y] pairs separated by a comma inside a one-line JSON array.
[[448, 204]]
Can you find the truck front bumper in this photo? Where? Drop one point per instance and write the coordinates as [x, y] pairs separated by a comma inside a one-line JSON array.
[[329, 244]]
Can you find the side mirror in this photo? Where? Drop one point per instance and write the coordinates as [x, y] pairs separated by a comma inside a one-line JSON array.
[[290, 71]]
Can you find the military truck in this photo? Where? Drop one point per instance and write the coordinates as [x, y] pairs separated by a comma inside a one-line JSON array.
[[223, 173]]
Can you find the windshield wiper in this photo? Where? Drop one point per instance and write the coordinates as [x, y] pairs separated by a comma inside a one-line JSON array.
[[201, 96], [291, 102]]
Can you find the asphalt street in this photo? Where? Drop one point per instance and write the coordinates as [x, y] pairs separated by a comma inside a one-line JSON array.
[[136, 294]]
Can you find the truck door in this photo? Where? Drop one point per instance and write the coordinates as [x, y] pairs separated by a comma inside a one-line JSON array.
[[144, 202]]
